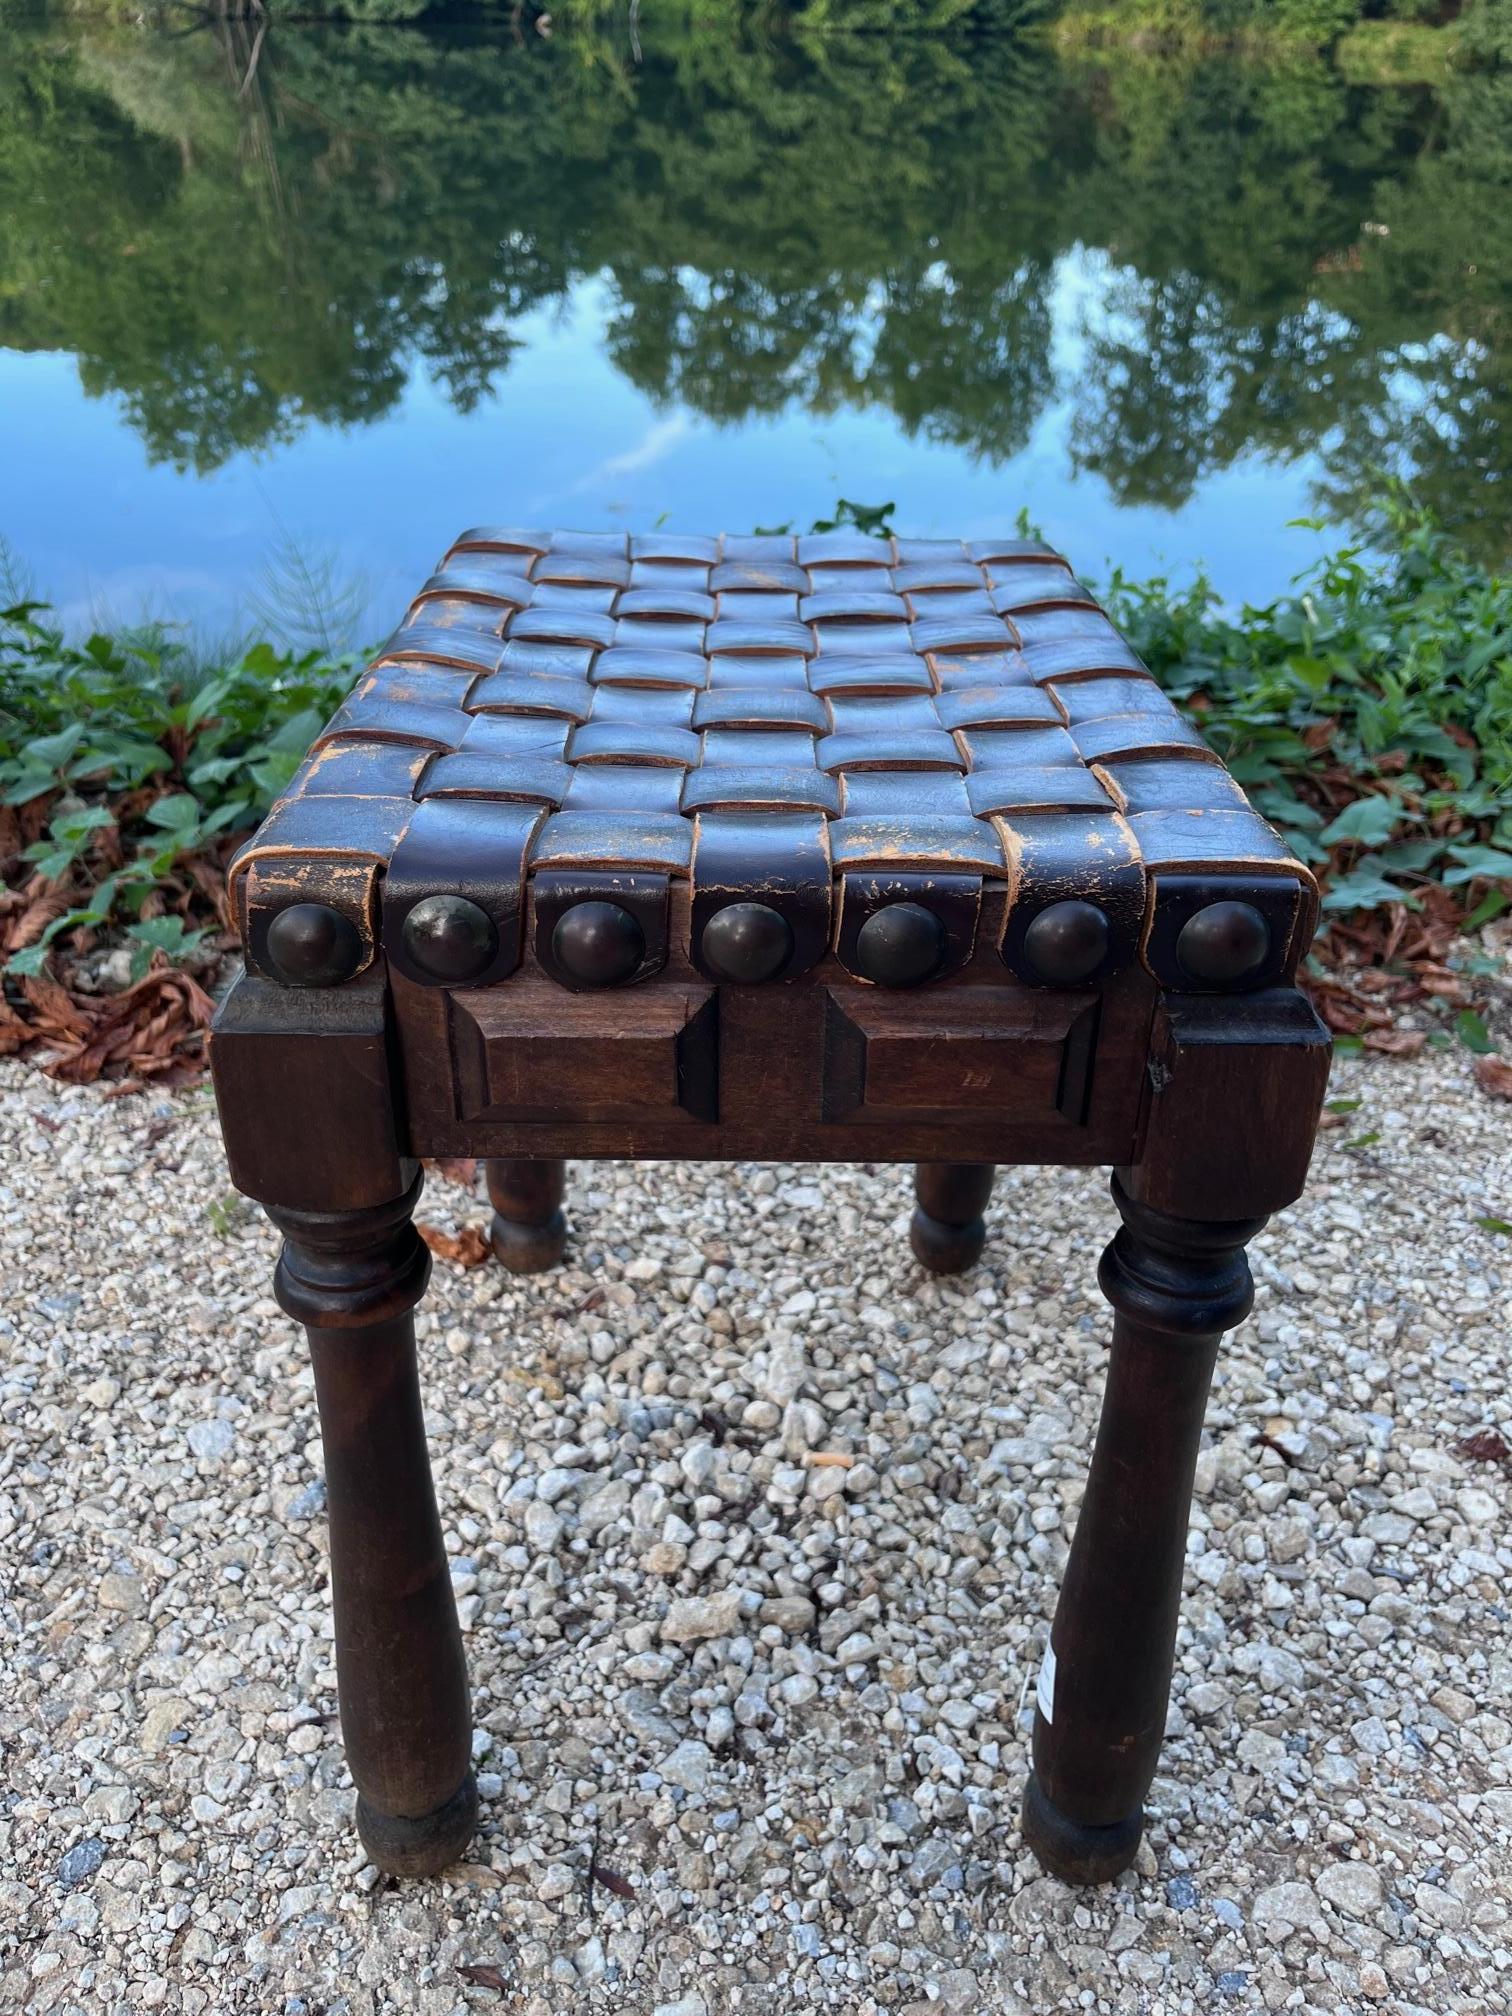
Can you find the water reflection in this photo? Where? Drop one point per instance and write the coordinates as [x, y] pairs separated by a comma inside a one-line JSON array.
[[1281, 263]]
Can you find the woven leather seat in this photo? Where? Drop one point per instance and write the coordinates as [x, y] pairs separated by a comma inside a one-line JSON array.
[[826, 725], [794, 849]]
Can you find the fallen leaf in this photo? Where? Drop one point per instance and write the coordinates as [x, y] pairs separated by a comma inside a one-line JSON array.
[[57, 1011], [27, 926], [468, 1248], [620, 1886], [1374, 981], [459, 1169], [1396, 1042], [1472, 1032], [1484, 1446], [592, 1300], [1494, 1076], [16, 1034], [1447, 987], [154, 1029], [484, 1974]]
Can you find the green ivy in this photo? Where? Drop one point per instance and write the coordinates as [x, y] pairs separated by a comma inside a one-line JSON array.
[[150, 760], [1368, 712]]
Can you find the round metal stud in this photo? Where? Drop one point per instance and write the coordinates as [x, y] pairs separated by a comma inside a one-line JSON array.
[[1067, 942], [313, 945], [1223, 944], [450, 938], [598, 943], [747, 942], [900, 945]]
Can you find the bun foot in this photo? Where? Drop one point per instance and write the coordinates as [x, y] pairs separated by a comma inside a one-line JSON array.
[[422, 1846], [946, 1249], [948, 1232], [528, 1233], [1074, 1852], [528, 1249]]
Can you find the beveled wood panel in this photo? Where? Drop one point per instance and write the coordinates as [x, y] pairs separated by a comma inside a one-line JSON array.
[[995, 1047], [970, 1071], [529, 1051]]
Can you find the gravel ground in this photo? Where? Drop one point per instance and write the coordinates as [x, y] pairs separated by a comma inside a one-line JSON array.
[[783, 1702]]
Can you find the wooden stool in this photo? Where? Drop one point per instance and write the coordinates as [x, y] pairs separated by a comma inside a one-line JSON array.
[[804, 850]]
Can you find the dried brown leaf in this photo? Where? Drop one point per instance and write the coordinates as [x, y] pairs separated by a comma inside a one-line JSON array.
[[1494, 1076], [1484, 1446], [1446, 987], [617, 1885], [58, 1012], [1374, 981], [1341, 1016], [26, 927], [152, 1029], [15, 1034], [592, 1300], [1396, 1042], [468, 1248], [459, 1169], [485, 1974]]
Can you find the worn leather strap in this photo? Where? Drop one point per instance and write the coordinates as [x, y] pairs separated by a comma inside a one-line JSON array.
[[798, 722]]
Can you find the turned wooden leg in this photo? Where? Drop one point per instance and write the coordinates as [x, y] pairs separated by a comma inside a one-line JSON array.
[[353, 1279], [528, 1231], [947, 1231], [1175, 1285]]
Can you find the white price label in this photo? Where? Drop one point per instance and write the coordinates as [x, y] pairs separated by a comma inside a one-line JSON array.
[[1044, 1693]]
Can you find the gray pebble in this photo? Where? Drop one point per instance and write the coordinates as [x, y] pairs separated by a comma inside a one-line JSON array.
[[81, 1862], [212, 1441]]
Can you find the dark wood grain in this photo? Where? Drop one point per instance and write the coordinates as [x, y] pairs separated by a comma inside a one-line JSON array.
[[353, 1279], [947, 1230], [1175, 1287], [1236, 1087], [303, 1082], [995, 1049], [529, 1232], [779, 1072], [530, 1052]]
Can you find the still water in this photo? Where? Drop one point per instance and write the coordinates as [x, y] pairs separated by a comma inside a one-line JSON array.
[[343, 291]]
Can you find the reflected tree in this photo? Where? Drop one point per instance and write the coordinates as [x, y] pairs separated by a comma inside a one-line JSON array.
[[237, 248]]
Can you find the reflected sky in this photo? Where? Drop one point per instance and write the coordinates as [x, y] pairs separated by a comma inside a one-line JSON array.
[[565, 438], [338, 294]]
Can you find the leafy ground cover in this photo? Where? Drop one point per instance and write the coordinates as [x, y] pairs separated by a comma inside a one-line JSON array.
[[129, 769], [1369, 715], [1368, 712]]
